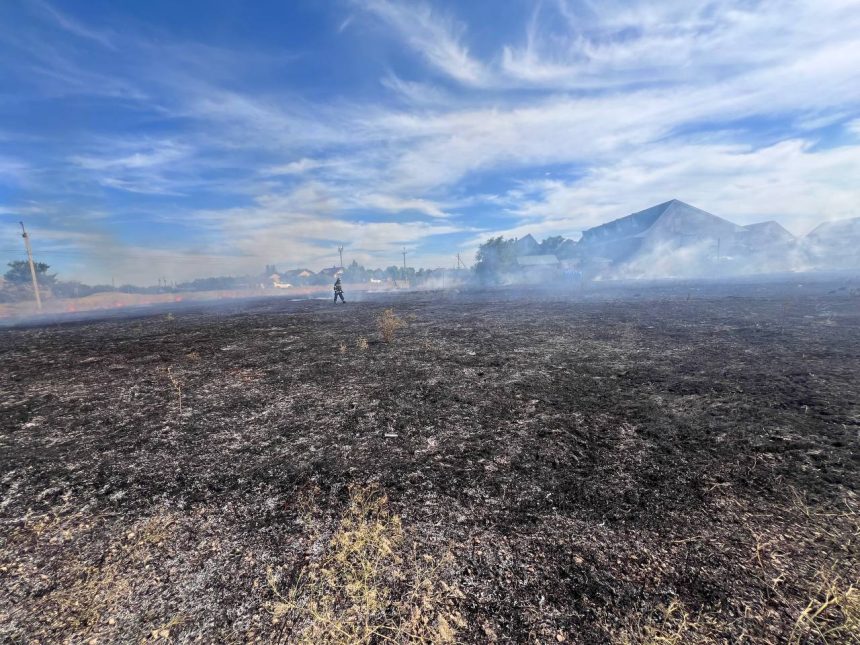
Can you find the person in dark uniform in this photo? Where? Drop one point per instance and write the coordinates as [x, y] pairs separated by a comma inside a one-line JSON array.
[[338, 291]]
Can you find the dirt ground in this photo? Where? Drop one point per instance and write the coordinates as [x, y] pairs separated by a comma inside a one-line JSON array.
[[117, 300], [675, 464]]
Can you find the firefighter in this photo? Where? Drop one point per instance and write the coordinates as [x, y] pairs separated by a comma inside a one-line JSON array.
[[338, 291]]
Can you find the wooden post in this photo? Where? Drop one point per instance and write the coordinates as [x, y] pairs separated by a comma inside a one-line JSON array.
[[32, 266]]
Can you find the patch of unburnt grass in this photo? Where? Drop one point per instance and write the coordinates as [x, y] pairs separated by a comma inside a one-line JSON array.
[[370, 584], [79, 597], [806, 568], [832, 616], [673, 625]]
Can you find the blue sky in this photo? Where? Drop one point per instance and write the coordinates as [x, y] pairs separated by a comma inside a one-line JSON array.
[[186, 139]]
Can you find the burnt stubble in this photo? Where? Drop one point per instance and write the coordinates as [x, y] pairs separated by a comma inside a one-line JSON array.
[[599, 466]]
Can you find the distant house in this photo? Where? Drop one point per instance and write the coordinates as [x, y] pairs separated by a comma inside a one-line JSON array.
[[299, 273], [670, 225], [538, 261], [834, 244], [671, 239], [297, 276], [527, 246], [766, 234], [539, 269], [566, 249], [331, 272], [276, 281]]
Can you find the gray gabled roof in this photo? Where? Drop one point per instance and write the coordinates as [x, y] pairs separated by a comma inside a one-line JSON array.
[[835, 229], [769, 232], [673, 216], [526, 245]]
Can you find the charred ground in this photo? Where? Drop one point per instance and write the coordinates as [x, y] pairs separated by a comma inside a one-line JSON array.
[[604, 467]]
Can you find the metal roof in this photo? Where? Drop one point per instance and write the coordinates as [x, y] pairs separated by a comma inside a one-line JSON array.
[[537, 260]]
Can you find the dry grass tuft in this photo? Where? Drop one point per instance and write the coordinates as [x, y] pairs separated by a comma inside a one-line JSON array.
[[388, 323], [177, 387], [674, 627], [342, 348], [369, 586], [361, 344], [832, 617]]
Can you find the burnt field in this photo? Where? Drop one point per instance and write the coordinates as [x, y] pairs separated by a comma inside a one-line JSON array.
[[623, 466]]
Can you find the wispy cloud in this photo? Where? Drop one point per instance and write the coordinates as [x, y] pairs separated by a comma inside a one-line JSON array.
[[12, 170], [148, 156], [104, 38], [394, 204], [298, 167], [436, 37]]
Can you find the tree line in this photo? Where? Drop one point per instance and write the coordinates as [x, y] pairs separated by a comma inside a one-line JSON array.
[[495, 257]]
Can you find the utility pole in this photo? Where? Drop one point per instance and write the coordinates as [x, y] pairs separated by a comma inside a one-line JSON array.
[[340, 252], [404, 260], [459, 263], [32, 266]]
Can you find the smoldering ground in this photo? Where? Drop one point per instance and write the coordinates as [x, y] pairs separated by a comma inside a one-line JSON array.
[[675, 461]]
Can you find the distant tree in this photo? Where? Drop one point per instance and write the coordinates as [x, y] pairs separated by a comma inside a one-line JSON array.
[[211, 284], [129, 288], [551, 245], [495, 257], [355, 273], [72, 289], [19, 273]]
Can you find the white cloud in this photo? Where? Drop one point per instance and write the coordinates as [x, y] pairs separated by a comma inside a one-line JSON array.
[[435, 37], [146, 156], [423, 94], [298, 167], [395, 204], [628, 43], [13, 170], [75, 27]]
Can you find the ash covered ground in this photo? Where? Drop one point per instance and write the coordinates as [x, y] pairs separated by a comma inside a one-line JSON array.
[[614, 465]]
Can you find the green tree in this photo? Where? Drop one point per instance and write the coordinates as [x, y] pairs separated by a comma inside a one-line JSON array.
[[355, 273], [19, 273], [551, 244], [495, 257]]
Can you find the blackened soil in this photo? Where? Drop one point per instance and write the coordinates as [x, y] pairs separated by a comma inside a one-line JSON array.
[[587, 461]]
